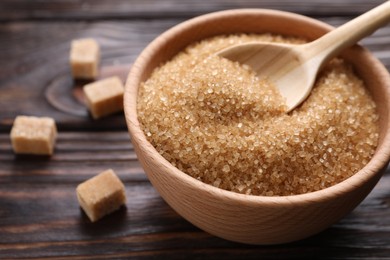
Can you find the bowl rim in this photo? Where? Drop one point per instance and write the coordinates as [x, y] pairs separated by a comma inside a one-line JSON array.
[[374, 167]]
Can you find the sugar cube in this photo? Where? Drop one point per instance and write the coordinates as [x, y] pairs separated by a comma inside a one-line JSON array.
[[101, 195], [104, 97], [84, 58], [33, 135]]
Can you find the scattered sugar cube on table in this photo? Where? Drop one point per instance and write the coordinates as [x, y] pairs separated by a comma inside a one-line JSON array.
[[104, 97], [33, 135], [101, 195], [85, 58]]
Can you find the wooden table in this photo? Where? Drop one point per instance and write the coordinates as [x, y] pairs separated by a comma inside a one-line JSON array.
[[39, 213]]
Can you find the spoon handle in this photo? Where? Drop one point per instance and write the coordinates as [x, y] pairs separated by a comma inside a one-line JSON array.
[[348, 34]]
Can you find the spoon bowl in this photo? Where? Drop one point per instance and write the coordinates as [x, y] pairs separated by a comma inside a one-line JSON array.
[[281, 64], [293, 68]]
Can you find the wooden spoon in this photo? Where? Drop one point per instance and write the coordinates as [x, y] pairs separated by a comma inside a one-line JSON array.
[[293, 68]]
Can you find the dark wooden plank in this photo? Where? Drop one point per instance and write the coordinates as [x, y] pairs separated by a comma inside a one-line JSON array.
[[123, 9], [77, 157], [35, 76], [43, 220]]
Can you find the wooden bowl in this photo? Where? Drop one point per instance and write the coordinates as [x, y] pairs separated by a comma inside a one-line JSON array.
[[247, 218]]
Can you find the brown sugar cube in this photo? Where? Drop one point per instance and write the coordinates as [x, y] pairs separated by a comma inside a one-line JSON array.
[[33, 135], [101, 195], [104, 97], [84, 58]]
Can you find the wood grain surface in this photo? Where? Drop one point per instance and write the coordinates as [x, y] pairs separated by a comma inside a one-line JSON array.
[[123, 9], [39, 213]]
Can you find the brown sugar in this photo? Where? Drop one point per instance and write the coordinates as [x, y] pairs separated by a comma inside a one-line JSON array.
[[104, 97], [218, 122], [101, 195], [33, 135], [84, 58]]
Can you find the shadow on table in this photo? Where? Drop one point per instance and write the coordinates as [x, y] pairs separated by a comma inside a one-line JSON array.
[[111, 223]]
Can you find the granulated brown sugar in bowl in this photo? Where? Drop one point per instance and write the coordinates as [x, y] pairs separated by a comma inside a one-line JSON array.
[[236, 216], [216, 121]]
